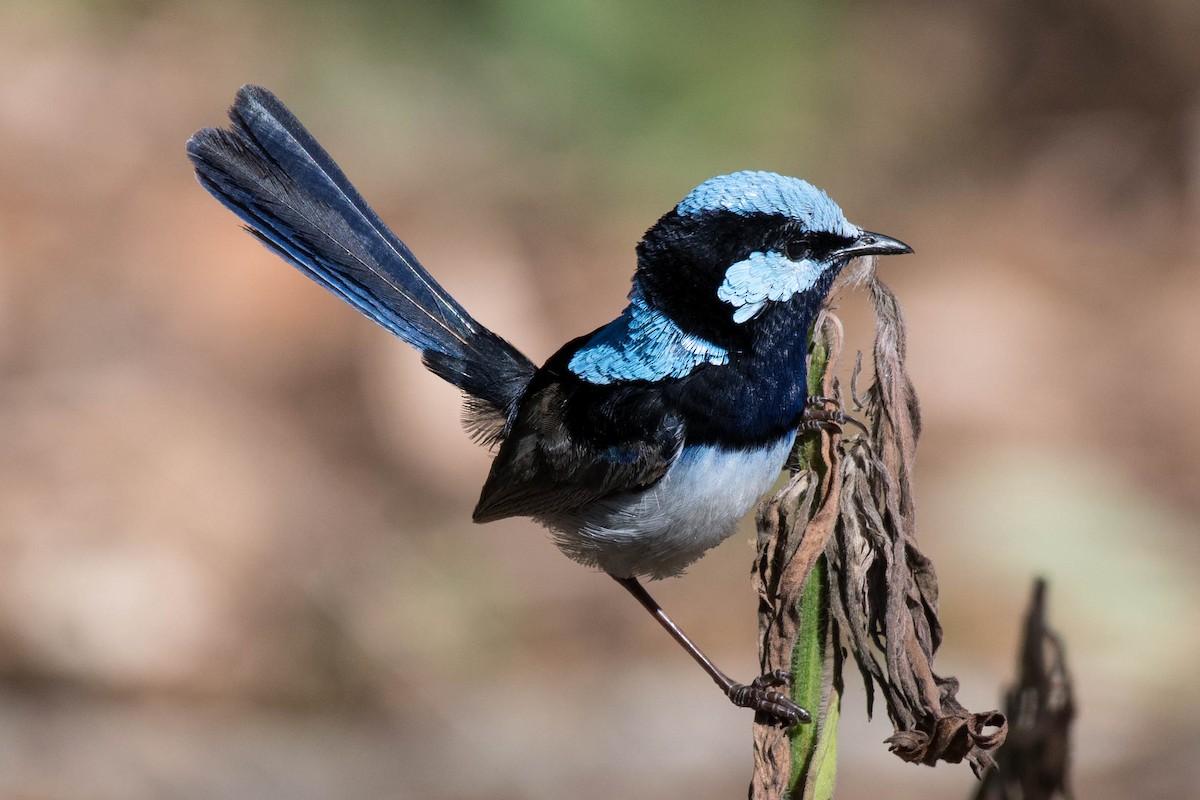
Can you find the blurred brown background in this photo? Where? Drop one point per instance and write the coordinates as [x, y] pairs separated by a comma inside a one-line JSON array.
[[235, 551]]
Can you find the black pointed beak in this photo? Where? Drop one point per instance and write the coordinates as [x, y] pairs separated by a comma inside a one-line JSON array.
[[873, 244]]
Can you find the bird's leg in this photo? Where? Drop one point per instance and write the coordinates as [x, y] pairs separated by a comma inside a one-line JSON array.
[[757, 695]]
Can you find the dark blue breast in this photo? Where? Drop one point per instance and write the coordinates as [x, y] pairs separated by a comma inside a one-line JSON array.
[[759, 395]]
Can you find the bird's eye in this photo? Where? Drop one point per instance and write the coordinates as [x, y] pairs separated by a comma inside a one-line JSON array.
[[798, 249]]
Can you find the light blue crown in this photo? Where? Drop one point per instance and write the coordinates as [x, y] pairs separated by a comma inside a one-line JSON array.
[[754, 192]]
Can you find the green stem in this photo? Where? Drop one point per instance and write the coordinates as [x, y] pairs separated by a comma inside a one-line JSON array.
[[814, 746]]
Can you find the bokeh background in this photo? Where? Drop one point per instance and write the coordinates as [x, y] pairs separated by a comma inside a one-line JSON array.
[[235, 550]]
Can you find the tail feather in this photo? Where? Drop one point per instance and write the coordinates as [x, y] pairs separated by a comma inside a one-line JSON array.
[[271, 172]]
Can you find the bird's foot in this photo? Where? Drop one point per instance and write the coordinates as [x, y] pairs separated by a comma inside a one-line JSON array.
[[816, 418], [760, 697]]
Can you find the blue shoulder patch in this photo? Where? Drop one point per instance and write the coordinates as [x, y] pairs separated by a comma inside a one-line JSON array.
[[763, 277], [642, 344], [754, 192]]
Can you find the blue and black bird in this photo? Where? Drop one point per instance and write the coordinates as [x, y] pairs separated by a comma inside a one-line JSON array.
[[639, 445]]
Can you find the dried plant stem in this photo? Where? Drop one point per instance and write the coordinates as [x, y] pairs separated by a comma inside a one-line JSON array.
[[1035, 761], [838, 566]]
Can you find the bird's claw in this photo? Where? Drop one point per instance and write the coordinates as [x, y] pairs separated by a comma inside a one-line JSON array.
[[820, 419], [776, 705], [776, 677]]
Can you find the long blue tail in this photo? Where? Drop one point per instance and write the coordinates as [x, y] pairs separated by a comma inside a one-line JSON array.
[[271, 172]]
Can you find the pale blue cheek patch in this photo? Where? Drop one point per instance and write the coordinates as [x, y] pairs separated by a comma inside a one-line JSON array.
[[762, 278], [642, 344]]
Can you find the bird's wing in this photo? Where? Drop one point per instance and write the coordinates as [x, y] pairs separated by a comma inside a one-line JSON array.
[[568, 448]]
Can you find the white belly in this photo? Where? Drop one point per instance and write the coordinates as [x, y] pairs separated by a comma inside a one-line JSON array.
[[659, 532]]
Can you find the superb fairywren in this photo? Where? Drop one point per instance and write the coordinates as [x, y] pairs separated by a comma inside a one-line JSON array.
[[639, 445]]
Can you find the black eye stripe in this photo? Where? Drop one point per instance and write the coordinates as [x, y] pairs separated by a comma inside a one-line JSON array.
[[811, 244]]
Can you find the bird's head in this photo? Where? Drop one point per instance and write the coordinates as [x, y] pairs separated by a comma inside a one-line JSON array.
[[743, 249]]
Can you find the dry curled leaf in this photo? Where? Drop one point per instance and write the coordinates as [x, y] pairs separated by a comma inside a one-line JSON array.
[[885, 596]]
